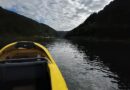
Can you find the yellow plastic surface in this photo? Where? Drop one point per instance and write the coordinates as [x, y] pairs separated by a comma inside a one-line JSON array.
[[57, 80]]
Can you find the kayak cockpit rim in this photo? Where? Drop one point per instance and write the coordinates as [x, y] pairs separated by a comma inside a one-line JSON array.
[[37, 46]]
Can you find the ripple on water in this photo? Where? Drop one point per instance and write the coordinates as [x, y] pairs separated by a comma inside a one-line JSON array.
[[79, 71]]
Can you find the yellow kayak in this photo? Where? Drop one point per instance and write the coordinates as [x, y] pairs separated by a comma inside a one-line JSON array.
[[29, 66]]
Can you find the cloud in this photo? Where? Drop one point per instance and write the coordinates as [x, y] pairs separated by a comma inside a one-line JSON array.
[[59, 14]]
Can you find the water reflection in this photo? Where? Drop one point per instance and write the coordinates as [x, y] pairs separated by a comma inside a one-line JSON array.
[[83, 70], [91, 66], [116, 56]]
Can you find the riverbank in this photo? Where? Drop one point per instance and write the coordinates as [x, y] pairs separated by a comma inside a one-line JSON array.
[[100, 40], [4, 40]]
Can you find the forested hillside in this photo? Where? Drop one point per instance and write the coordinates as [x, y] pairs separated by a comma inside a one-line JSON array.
[[14, 25], [113, 22]]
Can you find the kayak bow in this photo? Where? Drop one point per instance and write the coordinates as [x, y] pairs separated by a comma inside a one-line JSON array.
[[17, 53]]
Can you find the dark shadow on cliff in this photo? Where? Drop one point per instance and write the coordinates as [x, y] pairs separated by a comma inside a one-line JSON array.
[[111, 23]]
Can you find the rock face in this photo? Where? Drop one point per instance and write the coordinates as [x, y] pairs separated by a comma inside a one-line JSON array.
[[13, 24], [113, 22]]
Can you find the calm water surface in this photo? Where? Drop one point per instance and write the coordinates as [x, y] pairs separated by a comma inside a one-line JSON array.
[[83, 69], [92, 66]]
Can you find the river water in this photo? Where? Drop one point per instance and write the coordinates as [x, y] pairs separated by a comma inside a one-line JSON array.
[[88, 66], [91, 66]]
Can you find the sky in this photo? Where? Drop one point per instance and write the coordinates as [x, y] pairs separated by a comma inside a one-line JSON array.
[[62, 15]]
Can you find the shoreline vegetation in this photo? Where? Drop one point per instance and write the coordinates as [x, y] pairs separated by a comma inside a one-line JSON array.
[[6, 40]]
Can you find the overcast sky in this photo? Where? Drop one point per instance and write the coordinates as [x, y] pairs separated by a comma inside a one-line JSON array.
[[62, 15]]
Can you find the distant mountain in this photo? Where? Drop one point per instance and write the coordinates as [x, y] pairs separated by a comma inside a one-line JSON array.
[[113, 22], [12, 24], [61, 34]]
